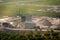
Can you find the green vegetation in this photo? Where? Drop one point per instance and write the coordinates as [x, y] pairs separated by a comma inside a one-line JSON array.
[[13, 9], [55, 2], [29, 36]]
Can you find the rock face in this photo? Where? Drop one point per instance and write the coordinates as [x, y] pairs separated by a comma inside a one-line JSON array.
[[45, 22]]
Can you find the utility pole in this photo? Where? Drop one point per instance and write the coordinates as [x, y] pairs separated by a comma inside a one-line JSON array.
[[19, 23], [18, 17]]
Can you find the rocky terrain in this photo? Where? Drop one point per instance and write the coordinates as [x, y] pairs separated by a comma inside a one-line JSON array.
[[45, 22]]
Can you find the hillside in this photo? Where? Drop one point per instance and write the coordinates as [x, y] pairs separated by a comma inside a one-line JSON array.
[[13, 7]]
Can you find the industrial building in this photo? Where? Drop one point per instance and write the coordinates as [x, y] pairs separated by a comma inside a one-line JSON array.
[[27, 21]]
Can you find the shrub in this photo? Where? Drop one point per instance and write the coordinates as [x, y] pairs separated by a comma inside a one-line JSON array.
[[29, 36]]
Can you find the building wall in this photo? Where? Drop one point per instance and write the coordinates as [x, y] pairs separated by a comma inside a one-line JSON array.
[[26, 17], [29, 25]]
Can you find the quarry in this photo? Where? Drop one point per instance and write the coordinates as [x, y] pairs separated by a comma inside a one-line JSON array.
[[29, 22]]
